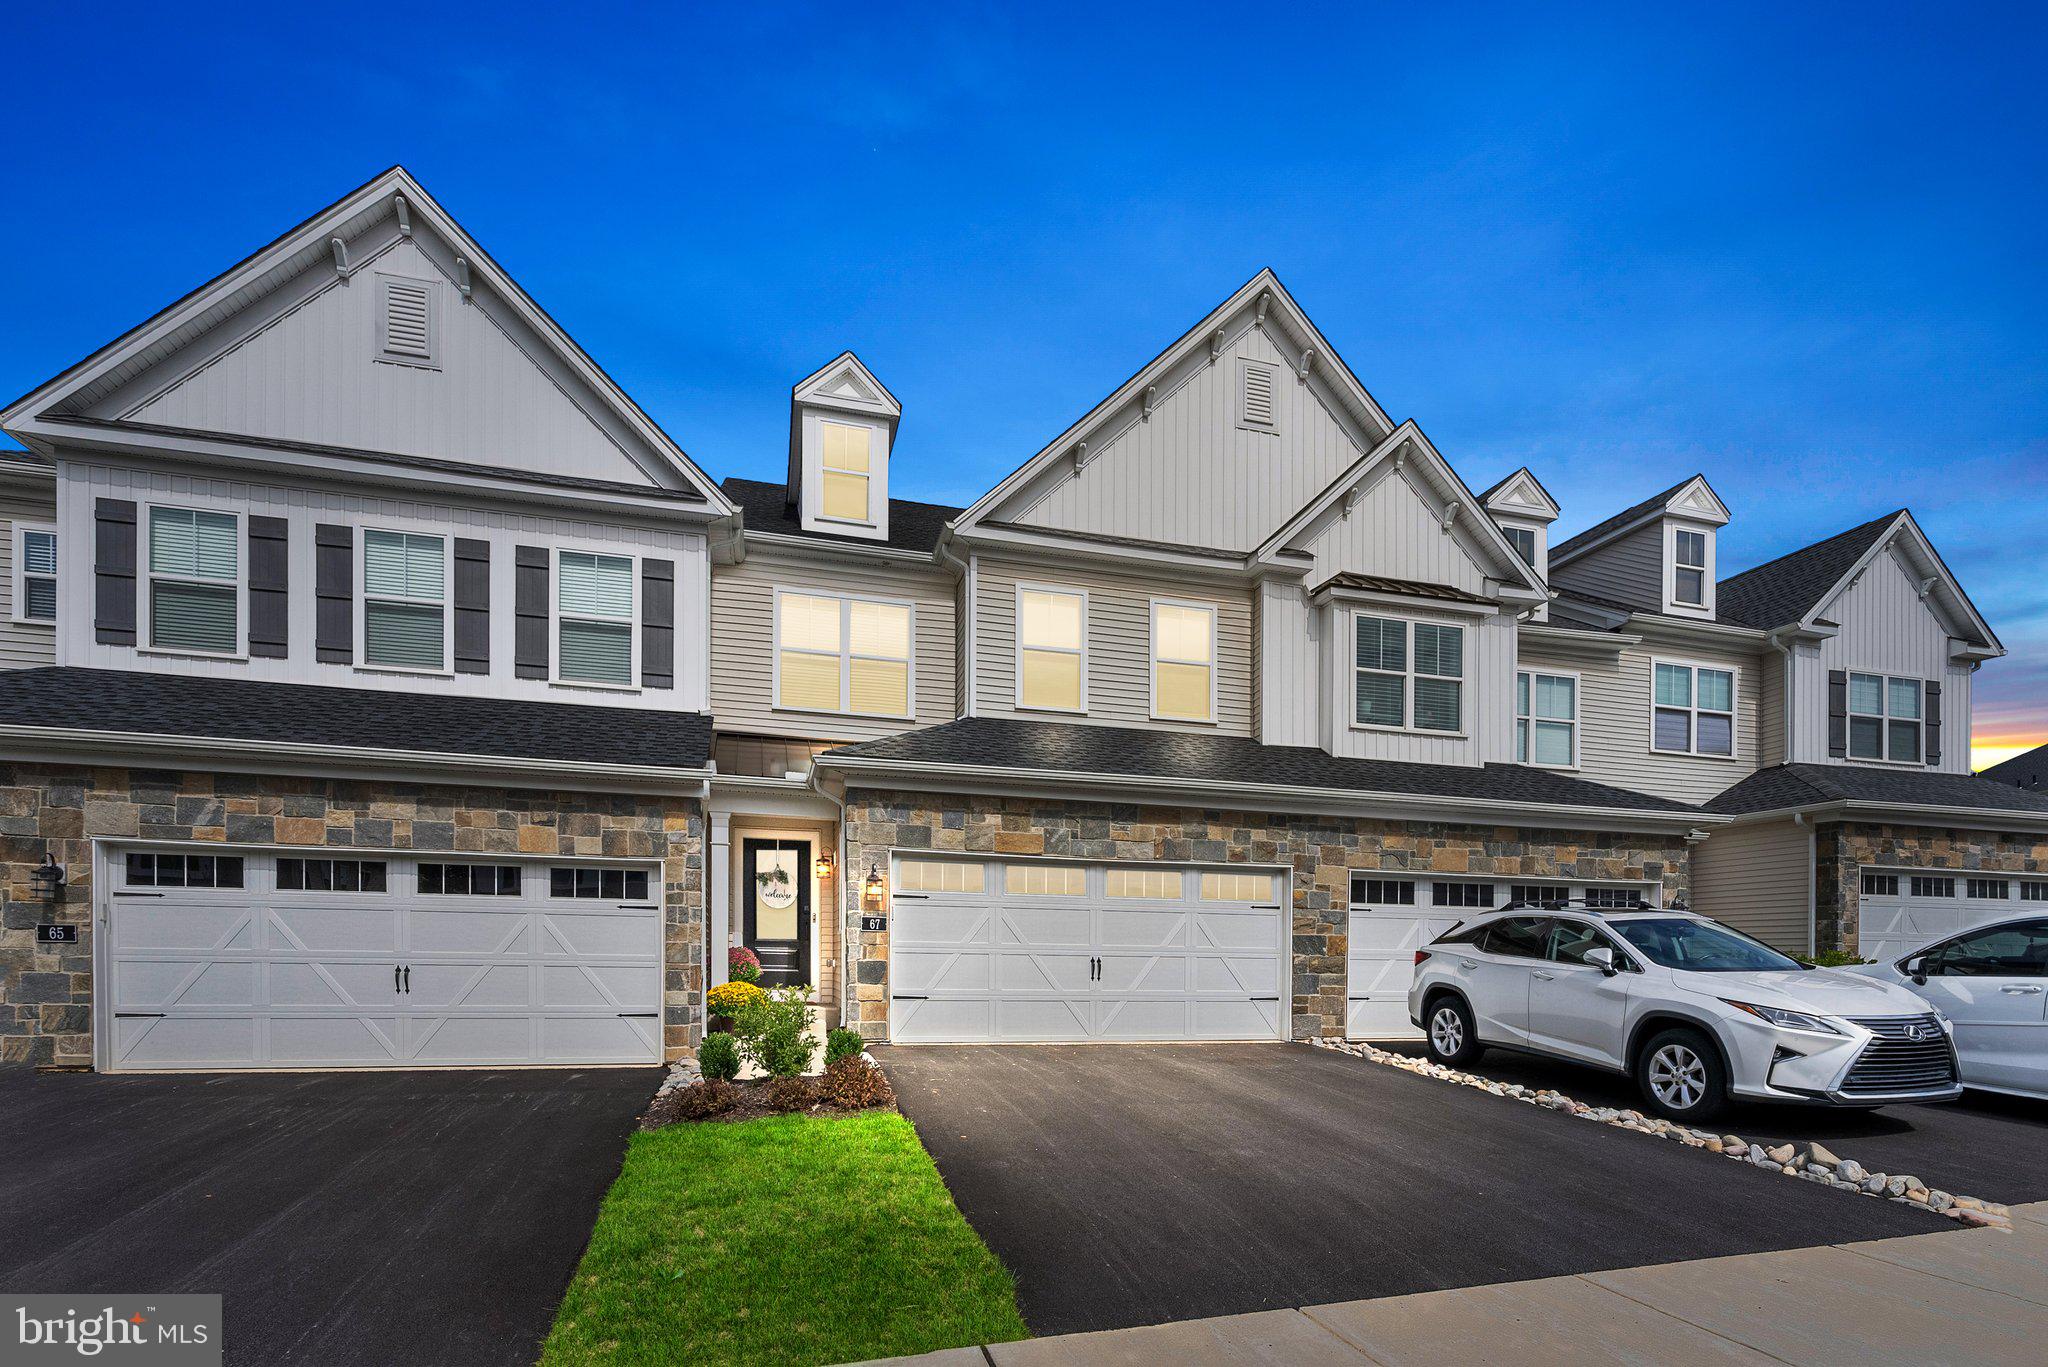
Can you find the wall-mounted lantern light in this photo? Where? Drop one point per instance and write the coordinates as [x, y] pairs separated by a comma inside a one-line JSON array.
[[874, 893], [48, 878], [822, 867]]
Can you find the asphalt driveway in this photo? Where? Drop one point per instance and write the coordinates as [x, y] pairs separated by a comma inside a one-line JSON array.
[[1134, 1184], [1994, 1147], [344, 1217]]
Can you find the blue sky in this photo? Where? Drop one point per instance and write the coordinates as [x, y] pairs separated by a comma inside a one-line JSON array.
[[1796, 247]]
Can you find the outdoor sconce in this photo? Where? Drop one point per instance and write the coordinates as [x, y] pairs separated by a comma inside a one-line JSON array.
[[48, 878], [822, 867], [874, 893]]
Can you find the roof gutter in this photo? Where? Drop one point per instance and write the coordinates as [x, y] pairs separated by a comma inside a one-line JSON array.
[[1862, 809], [145, 749], [1272, 796]]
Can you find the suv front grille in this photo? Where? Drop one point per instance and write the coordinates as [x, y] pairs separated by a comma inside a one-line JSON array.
[[1895, 1062]]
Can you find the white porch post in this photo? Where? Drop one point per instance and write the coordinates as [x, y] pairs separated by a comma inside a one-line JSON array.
[[720, 893]]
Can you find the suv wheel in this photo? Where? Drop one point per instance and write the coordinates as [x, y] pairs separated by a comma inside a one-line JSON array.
[[1680, 1074], [1452, 1040]]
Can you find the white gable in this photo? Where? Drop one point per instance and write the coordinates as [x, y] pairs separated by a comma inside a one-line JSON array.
[[1697, 500], [1193, 472], [1393, 531], [1521, 496]]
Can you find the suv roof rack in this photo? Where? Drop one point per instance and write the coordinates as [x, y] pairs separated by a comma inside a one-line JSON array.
[[1585, 905]]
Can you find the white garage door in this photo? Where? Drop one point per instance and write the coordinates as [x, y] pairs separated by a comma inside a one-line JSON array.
[[1038, 951], [254, 960], [1900, 910], [1393, 915]]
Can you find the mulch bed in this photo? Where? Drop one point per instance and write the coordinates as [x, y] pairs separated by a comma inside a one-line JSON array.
[[753, 1104]]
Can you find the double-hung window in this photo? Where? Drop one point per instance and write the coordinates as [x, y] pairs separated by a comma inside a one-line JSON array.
[[848, 655], [1689, 568], [405, 600], [195, 590], [1052, 649], [1396, 686], [1183, 661], [1694, 711], [1884, 718], [1523, 539], [846, 461], [594, 618], [35, 573], [1547, 719]]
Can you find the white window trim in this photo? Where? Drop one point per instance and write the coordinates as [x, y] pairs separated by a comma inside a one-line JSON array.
[[555, 677], [846, 655], [145, 634], [1153, 660], [1408, 677], [1538, 541], [363, 596], [385, 355], [1704, 608], [21, 575], [1244, 420], [1884, 720], [1017, 660], [871, 474], [1578, 706], [1734, 714]]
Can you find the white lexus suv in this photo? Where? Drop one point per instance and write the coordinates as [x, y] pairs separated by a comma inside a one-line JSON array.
[[1695, 1012]]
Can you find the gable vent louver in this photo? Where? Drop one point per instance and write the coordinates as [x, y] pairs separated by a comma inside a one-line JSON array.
[[408, 317], [1258, 396]]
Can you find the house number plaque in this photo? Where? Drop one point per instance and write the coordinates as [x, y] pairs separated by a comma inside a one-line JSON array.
[[47, 934], [872, 923]]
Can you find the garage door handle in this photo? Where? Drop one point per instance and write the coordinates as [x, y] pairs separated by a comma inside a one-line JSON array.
[[1262, 999], [636, 1015], [906, 997], [138, 894], [394, 978], [138, 1015], [408, 980]]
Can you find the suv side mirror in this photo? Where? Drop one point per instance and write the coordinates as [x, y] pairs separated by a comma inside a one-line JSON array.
[[1602, 959]]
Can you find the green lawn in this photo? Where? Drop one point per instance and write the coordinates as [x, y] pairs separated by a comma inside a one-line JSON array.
[[787, 1240]]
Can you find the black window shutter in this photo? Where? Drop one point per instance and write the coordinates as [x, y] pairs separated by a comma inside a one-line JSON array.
[[1838, 712], [472, 606], [113, 571], [657, 624], [269, 588], [530, 610], [334, 565], [1933, 721]]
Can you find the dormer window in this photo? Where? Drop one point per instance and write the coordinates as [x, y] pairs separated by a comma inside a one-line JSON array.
[[1523, 539], [1689, 568], [847, 466]]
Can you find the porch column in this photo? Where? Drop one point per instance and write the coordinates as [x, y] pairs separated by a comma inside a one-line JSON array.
[[720, 894]]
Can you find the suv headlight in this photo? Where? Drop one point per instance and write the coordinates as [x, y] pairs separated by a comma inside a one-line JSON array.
[[1783, 1019]]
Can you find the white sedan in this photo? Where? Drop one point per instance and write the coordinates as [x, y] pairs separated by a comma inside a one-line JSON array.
[[1992, 983]]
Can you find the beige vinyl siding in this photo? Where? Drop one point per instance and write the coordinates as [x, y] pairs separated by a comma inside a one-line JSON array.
[[1758, 878], [1119, 642], [1614, 721], [1770, 709], [23, 646], [743, 642], [1628, 570]]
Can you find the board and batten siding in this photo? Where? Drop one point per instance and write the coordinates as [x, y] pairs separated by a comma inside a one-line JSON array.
[[1391, 531], [1286, 683], [1191, 474], [743, 643], [1119, 642], [304, 508], [1886, 628], [1614, 720], [1487, 698], [23, 645], [1629, 569], [1759, 878]]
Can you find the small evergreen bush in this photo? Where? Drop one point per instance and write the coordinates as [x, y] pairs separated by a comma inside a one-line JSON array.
[[719, 1057], [842, 1043]]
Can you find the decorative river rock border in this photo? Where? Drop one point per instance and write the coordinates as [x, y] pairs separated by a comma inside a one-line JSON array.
[[1810, 1162]]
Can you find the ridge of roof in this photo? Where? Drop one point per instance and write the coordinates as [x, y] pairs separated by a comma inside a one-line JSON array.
[[1785, 589], [1572, 544]]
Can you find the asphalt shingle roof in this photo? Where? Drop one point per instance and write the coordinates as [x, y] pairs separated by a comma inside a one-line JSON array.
[[1073, 748], [2022, 771], [912, 526], [1807, 785], [352, 718], [1627, 515], [1782, 591]]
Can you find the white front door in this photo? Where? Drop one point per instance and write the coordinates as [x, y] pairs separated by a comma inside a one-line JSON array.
[[1035, 951], [252, 959]]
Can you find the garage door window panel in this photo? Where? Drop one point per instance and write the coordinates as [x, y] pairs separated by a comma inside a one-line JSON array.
[[183, 871], [194, 581], [296, 874]]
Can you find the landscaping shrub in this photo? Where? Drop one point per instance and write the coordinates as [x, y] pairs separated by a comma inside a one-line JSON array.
[[1833, 958], [854, 1084], [841, 1043], [732, 999], [789, 1093], [770, 1031], [701, 1100], [719, 1057], [742, 965]]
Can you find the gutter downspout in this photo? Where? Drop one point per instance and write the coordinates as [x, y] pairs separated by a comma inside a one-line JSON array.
[[964, 669], [1777, 644], [736, 542], [1812, 890]]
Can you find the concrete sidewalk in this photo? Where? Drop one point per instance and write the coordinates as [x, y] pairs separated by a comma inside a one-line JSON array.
[[1976, 1296]]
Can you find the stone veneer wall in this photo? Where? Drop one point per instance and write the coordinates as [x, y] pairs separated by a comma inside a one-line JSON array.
[[1321, 850], [1841, 848], [46, 990]]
